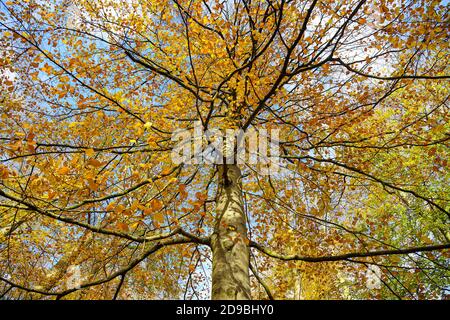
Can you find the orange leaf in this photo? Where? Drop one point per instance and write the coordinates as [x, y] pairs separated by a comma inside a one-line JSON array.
[[201, 196], [158, 217], [94, 163], [147, 211], [182, 190], [110, 207], [165, 172], [156, 204], [63, 170], [122, 226], [92, 184], [119, 209]]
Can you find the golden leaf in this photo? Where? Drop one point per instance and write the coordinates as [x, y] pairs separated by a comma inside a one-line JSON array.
[[89, 152], [63, 170]]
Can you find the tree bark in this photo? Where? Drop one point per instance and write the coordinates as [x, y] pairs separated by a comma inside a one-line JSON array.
[[229, 242]]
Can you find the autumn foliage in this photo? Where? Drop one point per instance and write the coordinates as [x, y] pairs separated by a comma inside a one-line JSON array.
[[92, 91]]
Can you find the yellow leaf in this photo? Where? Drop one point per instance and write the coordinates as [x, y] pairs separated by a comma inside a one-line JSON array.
[[148, 125], [89, 152], [134, 225], [156, 204], [74, 124]]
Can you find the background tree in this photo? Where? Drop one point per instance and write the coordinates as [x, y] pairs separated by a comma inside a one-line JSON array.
[[93, 90]]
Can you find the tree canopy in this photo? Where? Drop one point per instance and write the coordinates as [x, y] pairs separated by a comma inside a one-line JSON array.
[[92, 205]]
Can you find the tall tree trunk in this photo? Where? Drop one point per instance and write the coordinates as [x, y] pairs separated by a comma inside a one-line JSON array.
[[231, 253]]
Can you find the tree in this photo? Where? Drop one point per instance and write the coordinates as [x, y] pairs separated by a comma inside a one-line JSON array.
[[93, 204]]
